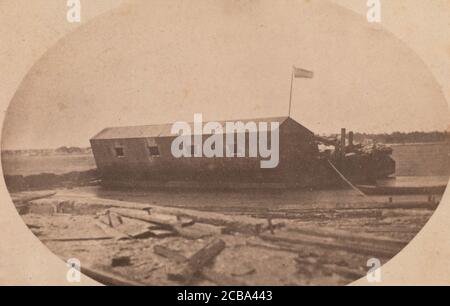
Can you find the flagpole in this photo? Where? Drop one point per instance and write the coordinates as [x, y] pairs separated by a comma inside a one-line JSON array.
[[290, 96]]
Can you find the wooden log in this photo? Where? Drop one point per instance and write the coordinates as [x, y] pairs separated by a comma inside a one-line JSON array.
[[186, 271], [242, 224], [158, 219], [206, 272], [350, 237], [204, 256], [199, 230], [332, 244], [153, 233]]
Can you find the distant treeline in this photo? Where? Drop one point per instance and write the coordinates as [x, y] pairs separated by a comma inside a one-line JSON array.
[[399, 137], [396, 137], [73, 150], [48, 152]]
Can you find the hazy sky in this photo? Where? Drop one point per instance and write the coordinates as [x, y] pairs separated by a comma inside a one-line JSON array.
[[160, 61]]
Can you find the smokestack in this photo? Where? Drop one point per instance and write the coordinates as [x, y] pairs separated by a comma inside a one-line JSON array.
[[342, 149], [350, 139], [343, 138]]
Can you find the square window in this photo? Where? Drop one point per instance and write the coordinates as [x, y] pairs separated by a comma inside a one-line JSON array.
[[154, 151], [119, 152]]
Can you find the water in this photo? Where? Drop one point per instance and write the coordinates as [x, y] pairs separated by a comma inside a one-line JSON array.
[[412, 160], [422, 159], [58, 164], [418, 163]]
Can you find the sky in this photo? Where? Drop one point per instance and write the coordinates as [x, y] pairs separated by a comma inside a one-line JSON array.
[[151, 62]]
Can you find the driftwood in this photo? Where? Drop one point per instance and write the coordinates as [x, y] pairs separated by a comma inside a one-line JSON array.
[[199, 230], [155, 233], [368, 249], [350, 238], [242, 224], [167, 225], [141, 225], [206, 272], [321, 214], [186, 271], [157, 219], [163, 226]]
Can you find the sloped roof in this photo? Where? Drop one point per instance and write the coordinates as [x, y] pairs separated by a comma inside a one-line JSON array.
[[164, 130]]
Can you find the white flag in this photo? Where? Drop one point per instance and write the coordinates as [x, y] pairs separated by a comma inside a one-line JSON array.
[[302, 73]]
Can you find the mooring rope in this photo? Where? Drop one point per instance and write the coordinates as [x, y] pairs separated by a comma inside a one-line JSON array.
[[346, 180]]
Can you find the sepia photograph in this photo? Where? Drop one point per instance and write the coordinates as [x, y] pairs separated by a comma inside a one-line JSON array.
[[227, 143]]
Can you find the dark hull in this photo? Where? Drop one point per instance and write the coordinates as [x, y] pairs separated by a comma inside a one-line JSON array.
[[317, 174]]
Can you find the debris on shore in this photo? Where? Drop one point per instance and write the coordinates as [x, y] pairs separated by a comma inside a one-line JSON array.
[[130, 243]]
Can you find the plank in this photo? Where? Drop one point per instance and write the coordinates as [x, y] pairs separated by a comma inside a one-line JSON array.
[[350, 237], [186, 271], [153, 233], [332, 244], [198, 231]]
